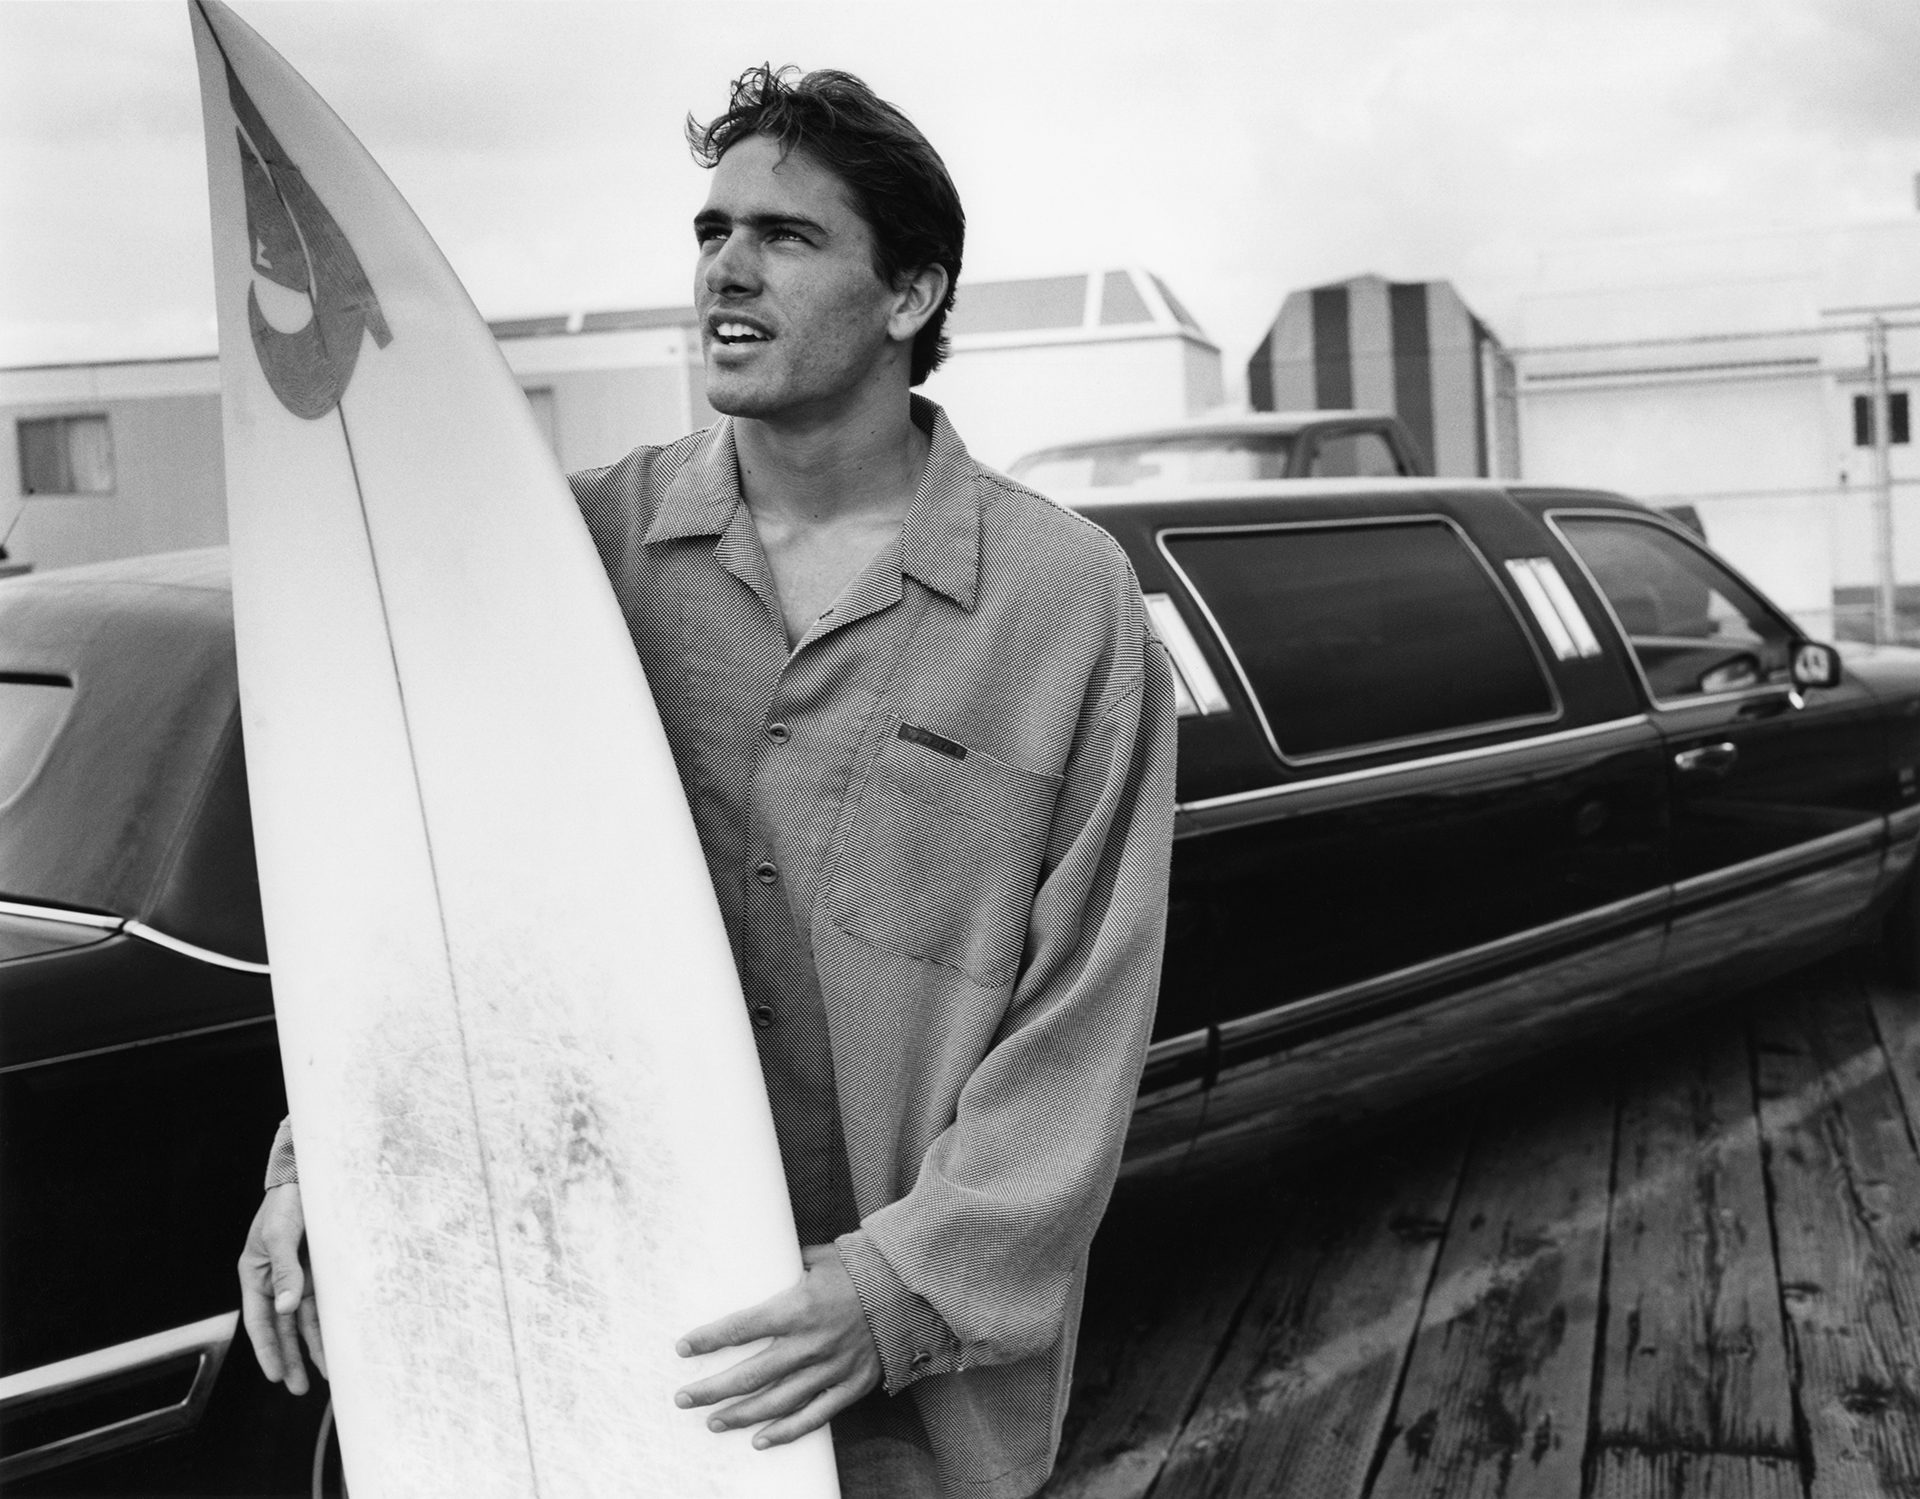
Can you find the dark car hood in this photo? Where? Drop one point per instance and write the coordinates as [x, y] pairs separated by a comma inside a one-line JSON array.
[[138, 808]]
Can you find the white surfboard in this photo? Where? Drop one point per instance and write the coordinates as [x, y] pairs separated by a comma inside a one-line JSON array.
[[534, 1143]]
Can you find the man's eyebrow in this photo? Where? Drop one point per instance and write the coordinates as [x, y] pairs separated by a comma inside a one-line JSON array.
[[716, 218]]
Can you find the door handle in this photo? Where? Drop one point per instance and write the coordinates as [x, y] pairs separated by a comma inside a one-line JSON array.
[[1708, 759]]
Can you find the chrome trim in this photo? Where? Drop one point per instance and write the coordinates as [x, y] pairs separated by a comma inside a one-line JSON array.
[[1349, 523], [1429, 762], [1351, 996], [1174, 1048], [1199, 688], [102, 1051], [187, 949], [1904, 822], [1567, 606], [209, 1339], [1673, 528], [1520, 569], [59, 914], [132, 928], [1870, 834]]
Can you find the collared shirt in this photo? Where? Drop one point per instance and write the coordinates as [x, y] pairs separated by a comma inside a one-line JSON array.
[[938, 828]]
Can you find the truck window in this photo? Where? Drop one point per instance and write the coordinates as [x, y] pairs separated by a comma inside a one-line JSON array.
[[1355, 455], [31, 711], [1695, 629], [1352, 638], [1204, 459]]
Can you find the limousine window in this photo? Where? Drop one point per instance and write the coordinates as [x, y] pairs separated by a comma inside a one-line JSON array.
[[1354, 637], [1695, 628]]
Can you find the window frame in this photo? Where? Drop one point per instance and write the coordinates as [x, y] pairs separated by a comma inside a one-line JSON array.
[[63, 420], [1378, 747], [1687, 539]]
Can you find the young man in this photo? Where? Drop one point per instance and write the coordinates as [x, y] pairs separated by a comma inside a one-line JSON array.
[[928, 743]]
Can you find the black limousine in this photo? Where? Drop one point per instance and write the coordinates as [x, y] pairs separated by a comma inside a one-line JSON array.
[[1466, 771]]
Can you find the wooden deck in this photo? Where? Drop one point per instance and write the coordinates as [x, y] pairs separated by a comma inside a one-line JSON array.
[[1690, 1267]]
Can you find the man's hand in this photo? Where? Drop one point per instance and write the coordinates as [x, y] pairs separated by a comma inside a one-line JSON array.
[[820, 1361], [277, 1292]]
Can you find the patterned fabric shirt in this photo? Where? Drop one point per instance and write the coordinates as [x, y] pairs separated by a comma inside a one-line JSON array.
[[938, 828]]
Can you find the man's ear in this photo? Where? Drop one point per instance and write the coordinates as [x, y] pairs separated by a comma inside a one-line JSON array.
[[916, 299]]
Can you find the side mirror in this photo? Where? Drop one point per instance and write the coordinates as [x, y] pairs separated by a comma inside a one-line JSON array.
[[1815, 665]]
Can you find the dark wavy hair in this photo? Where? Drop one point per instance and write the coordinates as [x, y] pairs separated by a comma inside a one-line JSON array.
[[898, 182]]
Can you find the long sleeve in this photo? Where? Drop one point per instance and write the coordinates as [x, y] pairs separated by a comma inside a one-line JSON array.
[[988, 1245], [281, 1165]]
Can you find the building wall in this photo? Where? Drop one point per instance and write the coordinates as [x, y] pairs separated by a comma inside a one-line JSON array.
[[169, 485], [1116, 351], [1412, 348], [1748, 455], [1719, 371]]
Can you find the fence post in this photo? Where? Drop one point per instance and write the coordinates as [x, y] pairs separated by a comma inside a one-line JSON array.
[[1885, 616]]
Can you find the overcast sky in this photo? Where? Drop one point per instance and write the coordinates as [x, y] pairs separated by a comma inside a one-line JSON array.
[[1241, 150]]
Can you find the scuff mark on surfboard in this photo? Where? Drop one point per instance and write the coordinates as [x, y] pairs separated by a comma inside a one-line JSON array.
[[567, 1158]]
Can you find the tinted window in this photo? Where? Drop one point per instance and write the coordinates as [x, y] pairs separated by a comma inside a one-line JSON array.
[[1364, 635], [1694, 627], [1354, 455], [1215, 459]]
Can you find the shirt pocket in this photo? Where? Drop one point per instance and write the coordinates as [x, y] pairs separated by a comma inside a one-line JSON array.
[[940, 859]]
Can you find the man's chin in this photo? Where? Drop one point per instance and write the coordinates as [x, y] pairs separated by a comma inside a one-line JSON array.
[[740, 398]]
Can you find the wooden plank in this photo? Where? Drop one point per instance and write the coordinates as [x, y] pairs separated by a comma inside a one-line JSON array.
[[1625, 1473], [1695, 1354], [1303, 1387], [1846, 1191], [1896, 1011], [1172, 1266], [1496, 1398]]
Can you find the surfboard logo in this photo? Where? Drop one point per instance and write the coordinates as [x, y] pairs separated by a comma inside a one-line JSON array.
[[296, 243]]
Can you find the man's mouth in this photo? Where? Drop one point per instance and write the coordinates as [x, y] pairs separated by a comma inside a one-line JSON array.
[[729, 331]]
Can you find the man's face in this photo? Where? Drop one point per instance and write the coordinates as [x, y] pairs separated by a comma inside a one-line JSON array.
[[793, 317]]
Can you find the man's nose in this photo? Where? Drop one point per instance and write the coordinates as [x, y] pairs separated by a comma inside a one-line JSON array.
[[731, 267]]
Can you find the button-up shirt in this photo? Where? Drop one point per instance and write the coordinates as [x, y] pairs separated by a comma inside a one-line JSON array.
[[938, 823], [938, 827]]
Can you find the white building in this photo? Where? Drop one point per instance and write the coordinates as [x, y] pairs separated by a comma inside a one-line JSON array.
[[115, 459], [1730, 373]]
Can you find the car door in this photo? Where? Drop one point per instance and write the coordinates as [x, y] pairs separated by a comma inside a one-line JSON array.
[[1778, 792], [1461, 848]]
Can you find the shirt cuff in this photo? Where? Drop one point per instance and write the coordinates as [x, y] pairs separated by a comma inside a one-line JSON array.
[[912, 1338], [281, 1166]]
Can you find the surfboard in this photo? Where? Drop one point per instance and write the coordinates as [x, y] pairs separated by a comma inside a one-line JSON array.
[[534, 1141]]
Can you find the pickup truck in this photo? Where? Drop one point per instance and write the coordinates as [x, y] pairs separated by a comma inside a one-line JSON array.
[[1231, 447], [1466, 771]]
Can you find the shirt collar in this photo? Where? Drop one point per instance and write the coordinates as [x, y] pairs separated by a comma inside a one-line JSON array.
[[939, 542]]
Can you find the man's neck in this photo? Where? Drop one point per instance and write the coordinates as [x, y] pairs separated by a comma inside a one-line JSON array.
[[862, 464]]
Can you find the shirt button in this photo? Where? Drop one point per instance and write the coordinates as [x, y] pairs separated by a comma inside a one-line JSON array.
[[763, 1016], [777, 732], [765, 873]]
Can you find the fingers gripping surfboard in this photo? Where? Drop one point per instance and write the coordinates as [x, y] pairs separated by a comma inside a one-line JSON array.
[[534, 1146]]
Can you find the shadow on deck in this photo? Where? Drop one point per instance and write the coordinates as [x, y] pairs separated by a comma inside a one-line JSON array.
[[1690, 1266]]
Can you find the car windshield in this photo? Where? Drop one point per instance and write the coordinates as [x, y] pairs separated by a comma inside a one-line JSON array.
[[1206, 458]]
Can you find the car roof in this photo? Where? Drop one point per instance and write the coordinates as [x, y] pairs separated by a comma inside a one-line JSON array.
[[1222, 424], [1277, 493], [138, 806]]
